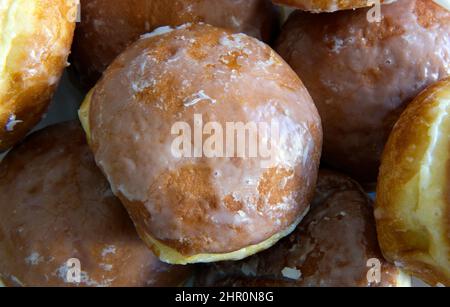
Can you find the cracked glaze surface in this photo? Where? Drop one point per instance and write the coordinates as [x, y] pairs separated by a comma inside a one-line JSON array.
[[204, 205], [330, 248]]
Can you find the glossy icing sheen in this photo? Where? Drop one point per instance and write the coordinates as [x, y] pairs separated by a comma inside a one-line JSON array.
[[331, 247], [204, 205], [56, 205], [107, 27], [362, 75]]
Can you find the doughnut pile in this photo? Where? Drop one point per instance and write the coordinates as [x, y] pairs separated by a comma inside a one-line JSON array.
[[225, 143], [361, 75]]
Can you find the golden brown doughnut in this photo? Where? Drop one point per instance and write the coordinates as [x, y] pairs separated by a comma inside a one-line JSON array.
[[413, 201], [34, 45], [108, 26], [362, 75], [204, 209], [56, 205], [330, 248], [318, 6]]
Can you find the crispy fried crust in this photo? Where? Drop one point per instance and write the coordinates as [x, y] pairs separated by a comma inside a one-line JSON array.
[[330, 248], [108, 26], [204, 206], [55, 205], [413, 204], [35, 41], [362, 75]]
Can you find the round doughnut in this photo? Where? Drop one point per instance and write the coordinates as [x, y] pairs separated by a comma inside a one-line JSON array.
[[205, 205], [413, 200], [330, 248], [362, 75], [34, 45], [108, 26], [56, 205], [318, 6]]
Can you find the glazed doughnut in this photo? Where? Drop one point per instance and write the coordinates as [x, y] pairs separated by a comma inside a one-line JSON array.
[[362, 75], [200, 206], [318, 6], [413, 204], [330, 248], [56, 205], [33, 55], [108, 26]]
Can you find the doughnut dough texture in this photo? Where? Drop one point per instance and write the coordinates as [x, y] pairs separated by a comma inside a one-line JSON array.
[[55, 205], [362, 75], [330, 248], [108, 26], [203, 209], [35, 39], [413, 202], [318, 6]]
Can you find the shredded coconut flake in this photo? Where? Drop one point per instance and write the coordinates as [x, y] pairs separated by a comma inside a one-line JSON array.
[[157, 32], [196, 98]]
